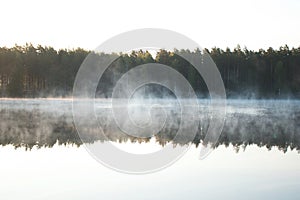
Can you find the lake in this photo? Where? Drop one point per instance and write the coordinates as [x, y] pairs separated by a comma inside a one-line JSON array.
[[256, 156]]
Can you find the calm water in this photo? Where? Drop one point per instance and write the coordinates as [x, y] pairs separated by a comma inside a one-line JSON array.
[[257, 155]]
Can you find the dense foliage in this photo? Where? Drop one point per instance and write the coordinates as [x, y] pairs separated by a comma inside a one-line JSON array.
[[28, 71]]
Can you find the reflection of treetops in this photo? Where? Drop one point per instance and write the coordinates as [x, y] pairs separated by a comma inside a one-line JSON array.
[[22, 128], [28, 71]]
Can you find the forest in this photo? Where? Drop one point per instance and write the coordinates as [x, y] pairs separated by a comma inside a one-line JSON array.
[[40, 71]]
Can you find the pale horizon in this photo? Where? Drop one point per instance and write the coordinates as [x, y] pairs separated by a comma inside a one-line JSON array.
[[72, 24]]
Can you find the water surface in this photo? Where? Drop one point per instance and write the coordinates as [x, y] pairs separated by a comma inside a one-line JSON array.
[[256, 157]]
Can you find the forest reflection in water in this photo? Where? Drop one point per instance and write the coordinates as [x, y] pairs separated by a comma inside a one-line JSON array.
[[44, 122]]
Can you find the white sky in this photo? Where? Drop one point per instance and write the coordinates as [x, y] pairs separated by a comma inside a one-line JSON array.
[[69, 24]]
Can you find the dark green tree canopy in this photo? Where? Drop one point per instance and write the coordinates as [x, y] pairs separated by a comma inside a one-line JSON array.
[[42, 71]]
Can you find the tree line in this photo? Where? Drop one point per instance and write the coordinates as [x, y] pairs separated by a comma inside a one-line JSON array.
[[41, 71]]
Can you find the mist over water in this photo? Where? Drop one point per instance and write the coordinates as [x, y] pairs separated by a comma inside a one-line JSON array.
[[45, 122]]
